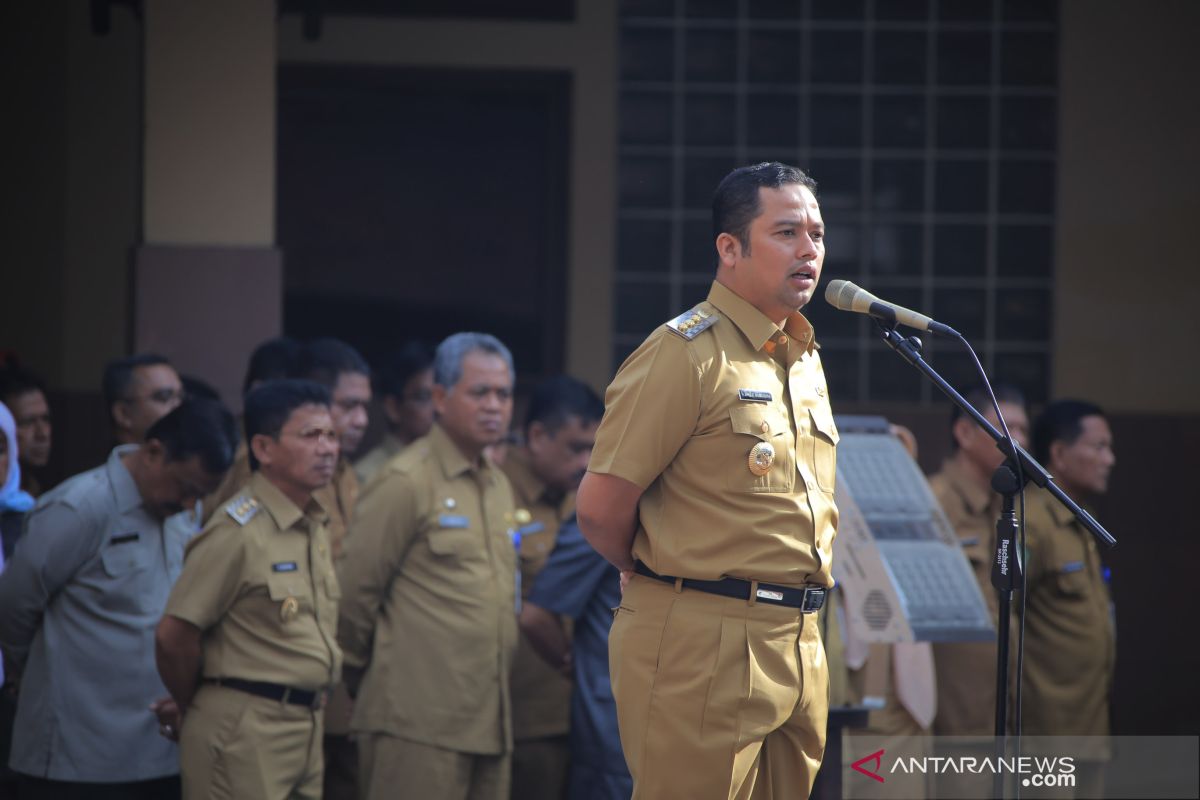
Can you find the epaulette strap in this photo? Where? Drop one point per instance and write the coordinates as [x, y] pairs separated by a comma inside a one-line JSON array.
[[242, 508], [691, 323]]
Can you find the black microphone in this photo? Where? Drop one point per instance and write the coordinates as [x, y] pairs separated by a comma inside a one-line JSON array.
[[845, 296]]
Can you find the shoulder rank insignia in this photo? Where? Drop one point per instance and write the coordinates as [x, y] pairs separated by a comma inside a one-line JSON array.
[[242, 509], [689, 324]]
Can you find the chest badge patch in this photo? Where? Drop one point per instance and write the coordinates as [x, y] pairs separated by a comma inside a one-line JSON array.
[[289, 609], [762, 456], [754, 395]]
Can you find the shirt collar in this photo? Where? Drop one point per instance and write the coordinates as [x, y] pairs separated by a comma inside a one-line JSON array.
[[526, 484], [125, 491], [285, 513], [977, 498], [754, 325], [453, 462]]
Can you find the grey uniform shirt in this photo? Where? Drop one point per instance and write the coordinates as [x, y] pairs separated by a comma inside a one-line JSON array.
[[79, 603]]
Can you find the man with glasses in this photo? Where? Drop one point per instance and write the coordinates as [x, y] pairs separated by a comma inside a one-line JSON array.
[[405, 387], [139, 390], [80, 600]]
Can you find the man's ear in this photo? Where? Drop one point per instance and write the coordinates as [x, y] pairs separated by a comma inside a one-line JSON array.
[[439, 399], [260, 445], [1056, 451], [120, 415], [729, 249], [155, 451], [962, 430], [536, 435]]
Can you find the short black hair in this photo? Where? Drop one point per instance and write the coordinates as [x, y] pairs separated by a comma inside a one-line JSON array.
[[268, 406], [198, 427], [118, 374], [198, 387], [411, 359], [978, 398], [326, 360], [273, 360], [735, 203], [1061, 421], [558, 399], [16, 380]]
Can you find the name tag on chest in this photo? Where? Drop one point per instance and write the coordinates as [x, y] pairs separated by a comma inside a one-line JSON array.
[[1072, 566], [453, 521], [284, 566], [754, 395]]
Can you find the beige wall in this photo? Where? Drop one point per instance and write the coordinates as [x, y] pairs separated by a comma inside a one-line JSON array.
[[210, 122], [1128, 286], [587, 48]]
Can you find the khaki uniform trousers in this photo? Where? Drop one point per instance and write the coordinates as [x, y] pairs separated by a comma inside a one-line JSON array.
[[391, 767], [236, 745], [717, 697]]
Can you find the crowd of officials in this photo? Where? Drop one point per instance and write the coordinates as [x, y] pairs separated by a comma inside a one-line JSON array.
[[260, 610]]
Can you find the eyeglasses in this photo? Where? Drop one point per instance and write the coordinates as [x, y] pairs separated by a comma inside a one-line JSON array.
[[158, 396]]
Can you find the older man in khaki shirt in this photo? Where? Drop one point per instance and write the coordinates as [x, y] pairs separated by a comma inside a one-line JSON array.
[[428, 618], [713, 479]]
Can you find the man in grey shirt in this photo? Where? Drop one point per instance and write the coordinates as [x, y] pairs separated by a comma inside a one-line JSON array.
[[79, 603]]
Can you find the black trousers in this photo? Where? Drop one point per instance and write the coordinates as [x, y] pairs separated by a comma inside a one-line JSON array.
[[29, 788]]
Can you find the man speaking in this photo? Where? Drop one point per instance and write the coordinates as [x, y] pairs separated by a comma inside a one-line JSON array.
[[711, 488]]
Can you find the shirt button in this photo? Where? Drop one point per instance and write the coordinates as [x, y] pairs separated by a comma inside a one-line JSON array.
[[765, 426], [782, 338]]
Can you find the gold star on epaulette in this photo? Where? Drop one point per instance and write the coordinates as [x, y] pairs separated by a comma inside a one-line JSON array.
[[689, 324], [242, 509]]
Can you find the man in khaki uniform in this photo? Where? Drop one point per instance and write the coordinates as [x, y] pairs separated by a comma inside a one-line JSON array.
[[1070, 642], [560, 430], [428, 620], [712, 479], [247, 645], [404, 386], [272, 360], [963, 486]]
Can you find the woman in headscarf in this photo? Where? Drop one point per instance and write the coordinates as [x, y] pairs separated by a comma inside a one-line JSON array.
[[14, 503]]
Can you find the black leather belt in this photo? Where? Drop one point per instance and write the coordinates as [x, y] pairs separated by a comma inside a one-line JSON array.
[[272, 691], [808, 599]]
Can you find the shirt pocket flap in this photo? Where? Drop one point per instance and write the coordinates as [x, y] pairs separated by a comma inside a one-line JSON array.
[[451, 542], [763, 423], [122, 559], [282, 585], [823, 421]]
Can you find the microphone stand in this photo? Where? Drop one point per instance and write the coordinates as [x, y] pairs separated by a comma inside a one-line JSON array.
[[1007, 572]]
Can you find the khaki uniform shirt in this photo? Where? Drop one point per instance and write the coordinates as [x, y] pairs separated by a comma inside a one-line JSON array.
[[1070, 646], [339, 498], [966, 671], [429, 610], [236, 478], [370, 464], [541, 695], [681, 418], [259, 582]]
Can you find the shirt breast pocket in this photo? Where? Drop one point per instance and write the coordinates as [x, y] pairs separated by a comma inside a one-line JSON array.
[[825, 438], [1071, 579], [291, 596], [762, 459], [126, 558], [451, 543]]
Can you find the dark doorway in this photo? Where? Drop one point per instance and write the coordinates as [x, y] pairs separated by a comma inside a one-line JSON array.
[[417, 203]]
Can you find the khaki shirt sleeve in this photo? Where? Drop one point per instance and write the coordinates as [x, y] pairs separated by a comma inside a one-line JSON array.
[[212, 576], [384, 526], [651, 408]]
